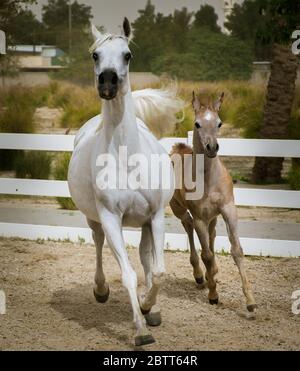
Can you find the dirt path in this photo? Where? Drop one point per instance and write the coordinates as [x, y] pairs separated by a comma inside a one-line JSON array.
[[50, 304]]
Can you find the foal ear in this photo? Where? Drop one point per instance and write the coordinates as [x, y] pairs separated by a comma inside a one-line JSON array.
[[126, 27], [195, 102], [219, 102], [96, 34]]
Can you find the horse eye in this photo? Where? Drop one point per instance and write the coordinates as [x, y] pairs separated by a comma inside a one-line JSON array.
[[127, 57], [95, 57], [198, 126], [220, 125]]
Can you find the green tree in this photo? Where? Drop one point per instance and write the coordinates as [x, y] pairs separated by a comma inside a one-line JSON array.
[[143, 46], [209, 56], [27, 29], [267, 25], [181, 26], [207, 17], [55, 17]]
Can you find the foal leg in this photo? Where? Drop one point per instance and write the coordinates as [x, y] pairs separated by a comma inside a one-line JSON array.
[[229, 213], [153, 318], [101, 288], [158, 268], [208, 257], [188, 224], [112, 226]]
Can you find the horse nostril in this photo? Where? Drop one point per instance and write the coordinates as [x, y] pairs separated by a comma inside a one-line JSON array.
[[101, 79], [208, 147], [114, 79], [217, 147]]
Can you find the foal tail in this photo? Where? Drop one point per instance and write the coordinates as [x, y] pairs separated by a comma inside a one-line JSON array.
[[158, 108]]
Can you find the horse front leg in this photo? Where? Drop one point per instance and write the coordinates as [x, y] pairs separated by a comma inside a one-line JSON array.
[[208, 258], [229, 213], [112, 227], [101, 288], [153, 318], [158, 266]]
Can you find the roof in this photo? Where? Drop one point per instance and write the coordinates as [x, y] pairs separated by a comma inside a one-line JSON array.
[[32, 48]]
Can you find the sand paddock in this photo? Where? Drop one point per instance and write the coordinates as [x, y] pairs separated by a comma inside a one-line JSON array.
[[50, 304]]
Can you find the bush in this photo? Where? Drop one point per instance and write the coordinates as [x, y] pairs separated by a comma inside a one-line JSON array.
[[34, 165], [209, 56], [294, 177], [61, 173]]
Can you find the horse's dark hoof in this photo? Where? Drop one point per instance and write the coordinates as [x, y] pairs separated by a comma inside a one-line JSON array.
[[144, 312], [251, 308], [101, 298], [200, 281], [153, 319], [213, 301], [144, 340]]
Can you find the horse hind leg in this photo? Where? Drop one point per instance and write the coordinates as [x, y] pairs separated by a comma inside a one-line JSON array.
[[101, 288]]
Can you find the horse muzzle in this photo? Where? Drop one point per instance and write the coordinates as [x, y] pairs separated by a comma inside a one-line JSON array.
[[212, 150], [108, 84]]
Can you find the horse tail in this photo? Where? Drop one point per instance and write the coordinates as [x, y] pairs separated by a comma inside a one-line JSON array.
[[158, 109]]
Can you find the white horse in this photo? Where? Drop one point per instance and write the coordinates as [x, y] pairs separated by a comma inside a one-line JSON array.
[[107, 210]]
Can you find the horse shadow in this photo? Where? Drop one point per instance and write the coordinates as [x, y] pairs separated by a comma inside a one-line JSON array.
[[78, 304]]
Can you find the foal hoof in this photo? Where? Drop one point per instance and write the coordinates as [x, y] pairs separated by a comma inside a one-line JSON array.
[[200, 280], [144, 311], [101, 298], [214, 301], [153, 319], [144, 340], [251, 308]]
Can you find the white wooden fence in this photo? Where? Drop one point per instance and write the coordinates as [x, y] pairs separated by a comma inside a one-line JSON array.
[[228, 147]]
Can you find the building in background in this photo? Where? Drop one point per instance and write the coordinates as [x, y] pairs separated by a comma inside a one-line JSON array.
[[34, 62]]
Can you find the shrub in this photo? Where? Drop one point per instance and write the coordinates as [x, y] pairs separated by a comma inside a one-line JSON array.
[[294, 177], [34, 165], [61, 173]]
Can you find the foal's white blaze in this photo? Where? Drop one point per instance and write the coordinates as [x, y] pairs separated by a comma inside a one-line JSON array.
[[208, 116]]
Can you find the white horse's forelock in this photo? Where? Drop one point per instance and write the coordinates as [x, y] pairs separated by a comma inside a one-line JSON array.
[[102, 40]]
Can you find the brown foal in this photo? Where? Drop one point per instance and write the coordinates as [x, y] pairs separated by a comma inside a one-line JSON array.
[[217, 199]]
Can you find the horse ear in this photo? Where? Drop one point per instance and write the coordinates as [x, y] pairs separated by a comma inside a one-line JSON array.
[[126, 27], [219, 102], [196, 102], [96, 34]]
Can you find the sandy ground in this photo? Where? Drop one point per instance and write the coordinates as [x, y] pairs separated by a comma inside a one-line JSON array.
[[50, 305]]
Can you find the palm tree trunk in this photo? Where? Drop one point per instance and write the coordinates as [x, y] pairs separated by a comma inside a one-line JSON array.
[[280, 96]]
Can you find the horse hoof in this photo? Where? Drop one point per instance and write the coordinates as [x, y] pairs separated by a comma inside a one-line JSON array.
[[153, 319], [145, 312], [200, 280], [214, 301], [144, 340], [251, 308], [101, 298]]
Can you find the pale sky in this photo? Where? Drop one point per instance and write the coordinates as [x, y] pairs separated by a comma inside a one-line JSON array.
[[110, 13]]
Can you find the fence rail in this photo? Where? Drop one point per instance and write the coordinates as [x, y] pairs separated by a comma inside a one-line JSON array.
[[228, 147]]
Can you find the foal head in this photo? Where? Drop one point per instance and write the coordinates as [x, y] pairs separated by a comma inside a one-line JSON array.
[[207, 124], [111, 56]]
